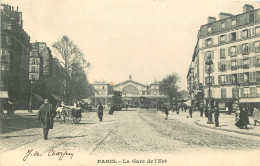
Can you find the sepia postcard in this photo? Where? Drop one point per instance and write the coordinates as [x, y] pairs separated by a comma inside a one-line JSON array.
[[130, 82]]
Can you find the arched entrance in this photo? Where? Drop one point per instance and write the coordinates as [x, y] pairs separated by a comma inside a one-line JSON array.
[[130, 90]]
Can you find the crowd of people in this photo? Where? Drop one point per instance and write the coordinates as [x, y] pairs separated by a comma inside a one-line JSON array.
[[241, 119]]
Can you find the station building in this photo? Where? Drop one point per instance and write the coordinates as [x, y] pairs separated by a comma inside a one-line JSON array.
[[131, 91]]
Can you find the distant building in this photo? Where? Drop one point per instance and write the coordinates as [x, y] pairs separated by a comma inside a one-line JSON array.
[[131, 90], [15, 51], [232, 43]]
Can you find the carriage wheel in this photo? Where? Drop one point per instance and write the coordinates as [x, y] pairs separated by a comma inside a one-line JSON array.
[[67, 118], [76, 120], [62, 118]]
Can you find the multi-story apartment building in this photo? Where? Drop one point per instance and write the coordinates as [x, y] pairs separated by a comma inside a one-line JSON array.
[[15, 51], [47, 73], [232, 45]]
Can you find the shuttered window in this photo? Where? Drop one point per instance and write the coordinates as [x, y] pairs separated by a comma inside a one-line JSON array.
[[252, 76], [252, 91], [257, 46], [223, 93], [222, 53]]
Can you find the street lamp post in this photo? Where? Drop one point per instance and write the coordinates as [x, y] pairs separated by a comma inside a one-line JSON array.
[[237, 88], [209, 63], [30, 105]]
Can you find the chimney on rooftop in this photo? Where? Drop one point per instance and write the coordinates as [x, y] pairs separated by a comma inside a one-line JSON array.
[[224, 15], [247, 8], [211, 19]]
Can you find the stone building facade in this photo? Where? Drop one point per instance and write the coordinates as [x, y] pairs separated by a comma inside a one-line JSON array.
[[232, 44], [131, 90], [15, 52]]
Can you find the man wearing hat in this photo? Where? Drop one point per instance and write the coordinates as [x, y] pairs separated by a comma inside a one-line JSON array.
[[46, 115]]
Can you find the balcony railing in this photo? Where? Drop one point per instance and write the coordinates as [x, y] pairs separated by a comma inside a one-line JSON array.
[[245, 52], [233, 67]]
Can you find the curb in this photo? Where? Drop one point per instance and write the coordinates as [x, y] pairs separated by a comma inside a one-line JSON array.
[[228, 130]]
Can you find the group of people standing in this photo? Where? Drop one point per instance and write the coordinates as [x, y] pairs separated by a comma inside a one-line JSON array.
[[242, 119]]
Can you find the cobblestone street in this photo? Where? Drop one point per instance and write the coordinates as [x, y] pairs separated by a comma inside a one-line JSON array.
[[133, 132]]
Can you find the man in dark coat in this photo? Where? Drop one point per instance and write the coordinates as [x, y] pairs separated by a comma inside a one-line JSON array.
[[216, 116], [46, 115], [201, 111], [190, 111], [166, 111], [100, 112]]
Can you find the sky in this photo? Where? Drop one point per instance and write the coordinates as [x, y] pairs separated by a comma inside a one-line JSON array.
[[147, 39]]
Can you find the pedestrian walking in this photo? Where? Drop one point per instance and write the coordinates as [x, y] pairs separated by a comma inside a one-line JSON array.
[[216, 116], [243, 119], [10, 108], [111, 110], [166, 111], [256, 116], [206, 111], [46, 115], [190, 111], [100, 112], [185, 108], [201, 111], [246, 118]]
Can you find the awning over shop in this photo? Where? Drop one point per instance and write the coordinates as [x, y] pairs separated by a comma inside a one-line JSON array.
[[249, 100], [56, 97], [39, 98], [4, 94]]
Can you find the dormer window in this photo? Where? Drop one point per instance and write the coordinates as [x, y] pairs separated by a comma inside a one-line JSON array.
[[209, 29], [233, 22], [251, 17], [223, 25]]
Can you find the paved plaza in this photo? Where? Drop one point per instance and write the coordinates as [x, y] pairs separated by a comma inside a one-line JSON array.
[[135, 132]]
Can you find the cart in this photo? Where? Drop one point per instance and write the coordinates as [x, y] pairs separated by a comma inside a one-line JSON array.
[[70, 113]]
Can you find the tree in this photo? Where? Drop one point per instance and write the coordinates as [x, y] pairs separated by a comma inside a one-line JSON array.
[[169, 86], [74, 64], [184, 94]]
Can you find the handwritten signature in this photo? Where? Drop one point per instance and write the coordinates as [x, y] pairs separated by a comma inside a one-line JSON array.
[[52, 152]]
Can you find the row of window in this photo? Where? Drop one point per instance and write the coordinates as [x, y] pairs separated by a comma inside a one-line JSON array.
[[242, 92], [251, 19], [6, 25], [6, 40], [242, 63], [233, 51], [5, 54], [235, 78], [234, 36]]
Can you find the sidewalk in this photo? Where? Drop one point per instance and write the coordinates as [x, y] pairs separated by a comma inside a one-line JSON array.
[[226, 122], [24, 112]]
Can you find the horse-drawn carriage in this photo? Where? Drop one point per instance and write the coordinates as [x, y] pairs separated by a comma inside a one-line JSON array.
[[67, 113]]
